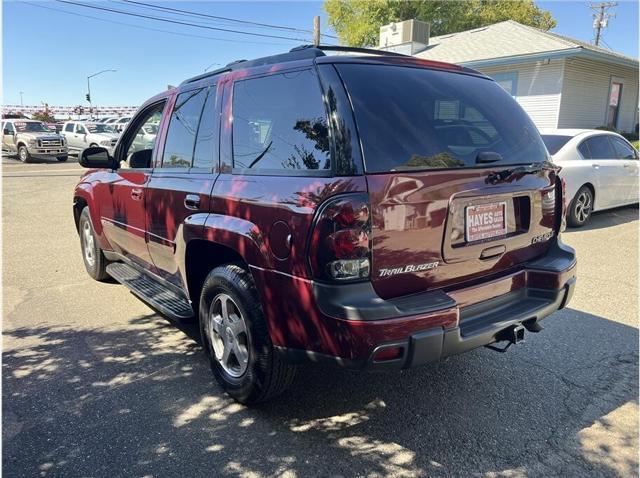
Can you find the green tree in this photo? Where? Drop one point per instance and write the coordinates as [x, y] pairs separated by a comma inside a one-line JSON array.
[[358, 22]]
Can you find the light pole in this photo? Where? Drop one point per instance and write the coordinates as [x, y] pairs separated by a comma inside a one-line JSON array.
[[212, 64], [89, 89], [21, 105]]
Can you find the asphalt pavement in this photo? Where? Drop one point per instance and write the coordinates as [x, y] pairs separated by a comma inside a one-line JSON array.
[[97, 384]]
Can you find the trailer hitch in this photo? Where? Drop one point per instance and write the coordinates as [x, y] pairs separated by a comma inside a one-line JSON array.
[[512, 335]]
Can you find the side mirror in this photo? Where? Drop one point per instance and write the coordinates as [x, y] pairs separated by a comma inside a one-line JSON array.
[[97, 158], [6, 131], [140, 159]]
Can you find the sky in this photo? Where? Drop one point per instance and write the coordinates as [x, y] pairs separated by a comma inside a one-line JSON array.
[[48, 54]]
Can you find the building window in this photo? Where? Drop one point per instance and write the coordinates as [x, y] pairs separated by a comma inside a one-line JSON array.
[[613, 104], [508, 81]]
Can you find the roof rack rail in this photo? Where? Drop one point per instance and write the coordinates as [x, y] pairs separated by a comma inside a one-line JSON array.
[[369, 51], [300, 54]]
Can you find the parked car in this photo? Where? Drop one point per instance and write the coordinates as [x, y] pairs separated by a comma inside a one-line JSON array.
[[599, 167], [121, 123], [81, 135], [30, 139], [374, 211]]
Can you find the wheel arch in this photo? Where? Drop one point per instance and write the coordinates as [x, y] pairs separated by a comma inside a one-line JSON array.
[[201, 256]]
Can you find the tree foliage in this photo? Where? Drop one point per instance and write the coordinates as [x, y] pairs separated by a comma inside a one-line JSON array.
[[358, 22]]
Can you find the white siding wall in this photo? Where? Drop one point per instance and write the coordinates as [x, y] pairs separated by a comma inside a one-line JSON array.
[[586, 90], [539, 89]]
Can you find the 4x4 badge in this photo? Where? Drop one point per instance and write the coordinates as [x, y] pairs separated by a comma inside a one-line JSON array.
[[408, 268]]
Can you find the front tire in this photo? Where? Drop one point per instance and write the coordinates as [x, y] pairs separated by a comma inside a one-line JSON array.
[[23, 154], [581, 207], [94, 261], [236, 340]]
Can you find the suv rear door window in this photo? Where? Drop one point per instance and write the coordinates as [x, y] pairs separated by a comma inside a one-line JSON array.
[[69, 127], [205, 154], [416, 118], [280, 123], [183, 126]]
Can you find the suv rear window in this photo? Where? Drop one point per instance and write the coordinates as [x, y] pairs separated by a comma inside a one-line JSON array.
[[415, 118]]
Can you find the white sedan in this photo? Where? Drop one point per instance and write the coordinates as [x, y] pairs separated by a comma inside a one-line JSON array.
[[600, 169]]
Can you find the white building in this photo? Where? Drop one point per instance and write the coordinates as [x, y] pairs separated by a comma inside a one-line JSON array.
[[559, 81]]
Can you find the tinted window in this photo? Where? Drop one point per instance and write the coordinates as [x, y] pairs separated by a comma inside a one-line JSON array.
[[69, 127], [599, 148], [279, 123], [9, 126], [80, 129], [413, 118], [206, 151], [554, 142], [622, 149], [584, 150], [183, 126]]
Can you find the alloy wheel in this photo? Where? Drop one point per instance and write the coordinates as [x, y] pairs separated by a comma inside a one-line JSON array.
[[583, 206], [227, 334], [88, 243]]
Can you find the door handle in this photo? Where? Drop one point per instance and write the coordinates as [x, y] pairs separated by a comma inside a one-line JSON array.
[[136, 194], [192, 201], [626, 165], [595, 166]]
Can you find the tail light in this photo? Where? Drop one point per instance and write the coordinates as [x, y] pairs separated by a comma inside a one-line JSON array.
[[561, 204], [340, 246]]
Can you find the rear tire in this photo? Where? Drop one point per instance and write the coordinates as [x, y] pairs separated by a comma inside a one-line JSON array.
[[251, 371], [23, 154], [581, 207], [94, 261]]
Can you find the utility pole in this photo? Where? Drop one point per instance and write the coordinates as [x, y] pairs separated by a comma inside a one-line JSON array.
[[601, 17], [316, 30], [21, 98]]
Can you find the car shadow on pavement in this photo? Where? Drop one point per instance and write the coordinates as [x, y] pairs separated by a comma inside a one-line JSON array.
[[611, 217], [138, 398]]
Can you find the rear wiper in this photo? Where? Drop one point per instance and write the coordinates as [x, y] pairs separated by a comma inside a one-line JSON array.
[[506, 174], [488, 157]]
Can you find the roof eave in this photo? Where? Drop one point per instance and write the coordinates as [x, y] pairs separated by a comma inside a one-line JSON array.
[[564, 53]]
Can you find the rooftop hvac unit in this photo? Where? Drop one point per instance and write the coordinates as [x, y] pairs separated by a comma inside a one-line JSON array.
[[409, 36]]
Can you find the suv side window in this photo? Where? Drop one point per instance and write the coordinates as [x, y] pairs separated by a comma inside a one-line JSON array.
[[183, 126], [80, 129], [205, 154], [599, 147], [622, 149], [9, 126], [144, 136], [69, 127], [280, 123]]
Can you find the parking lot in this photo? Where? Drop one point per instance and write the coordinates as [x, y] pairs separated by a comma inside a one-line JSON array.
[[97, 384]]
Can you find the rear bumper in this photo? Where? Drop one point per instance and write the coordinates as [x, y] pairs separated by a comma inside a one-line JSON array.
[[348, 324]]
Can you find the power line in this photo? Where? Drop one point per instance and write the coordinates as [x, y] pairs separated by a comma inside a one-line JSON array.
[[217, 17], [191, 35], [176, 22]]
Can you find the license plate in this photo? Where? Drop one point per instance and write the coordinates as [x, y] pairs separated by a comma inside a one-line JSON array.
[[485, 221]]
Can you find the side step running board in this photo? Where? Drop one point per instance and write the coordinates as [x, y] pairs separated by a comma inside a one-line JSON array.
[[151, 291]]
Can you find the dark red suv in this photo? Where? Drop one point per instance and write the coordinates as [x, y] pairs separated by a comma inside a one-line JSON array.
[[368, 209]]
